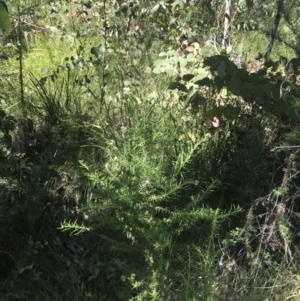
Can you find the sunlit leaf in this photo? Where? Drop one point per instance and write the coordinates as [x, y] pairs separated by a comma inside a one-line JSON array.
[[170, 70], [192, 136], [157, 70], [183, 62], [163, 54], [155, 8], [206, 51], [60, 69], [158, 63], [200, 73], [102, 48], [190, 57]]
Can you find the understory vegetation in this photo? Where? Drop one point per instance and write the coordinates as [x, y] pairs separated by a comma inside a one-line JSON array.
[[140, 160]]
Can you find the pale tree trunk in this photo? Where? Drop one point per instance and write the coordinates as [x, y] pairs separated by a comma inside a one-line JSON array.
[[227, 23], [275, 28]]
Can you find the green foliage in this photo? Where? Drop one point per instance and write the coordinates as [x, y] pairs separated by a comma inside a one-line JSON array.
[[7, 126], [140, 172], [4, 18]]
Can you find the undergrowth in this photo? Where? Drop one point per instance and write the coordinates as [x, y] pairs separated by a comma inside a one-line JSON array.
[[136, 169]]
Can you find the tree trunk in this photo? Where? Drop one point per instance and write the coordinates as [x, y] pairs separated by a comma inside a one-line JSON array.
[[275, 28], [227, 23]]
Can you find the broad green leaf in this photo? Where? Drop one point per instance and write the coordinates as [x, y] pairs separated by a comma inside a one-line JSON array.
[[2, 114], [232, 70], [170, 70], [183, 70], [190, 57], [173, 60], [188, 77], [95, 51], [179, 86], [203, 82], [268, 63], [155, 8], [44, 70], [159, 63], [4, 19], [230, 112], [158, 70], [10, 122], [196, 45], [199, 100], [102, 48], [216, 111], [60, 69], [201, 73], [53, 77], [233, 85], [206, 51], [221, 69], [224, 92], [247, 88], [268, 88], [254, 77], [4, 5], [243, 75], [172, 53], [214, 61], [163, 54], [183, 61]]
